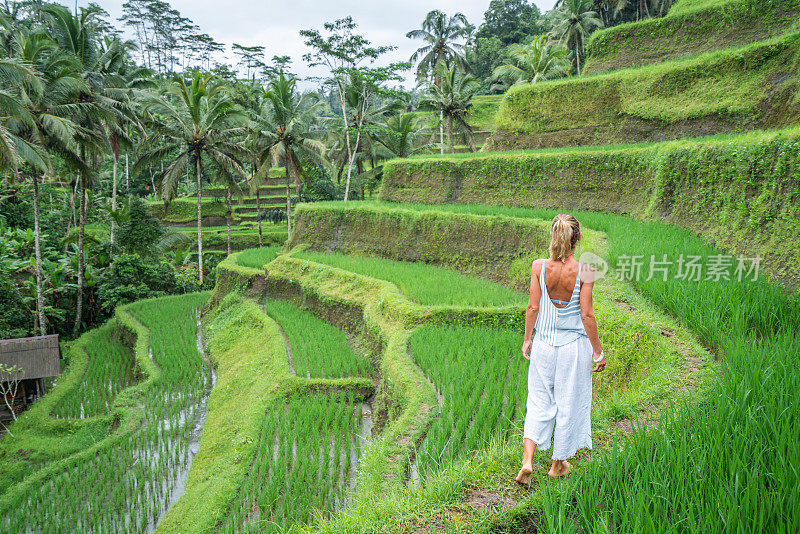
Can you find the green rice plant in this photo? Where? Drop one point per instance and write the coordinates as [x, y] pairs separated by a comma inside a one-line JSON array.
[[137, 475], [318, 349], [304, 464], [110, 369], [481, 381], [256, 258], [739, 441], [424, 283]]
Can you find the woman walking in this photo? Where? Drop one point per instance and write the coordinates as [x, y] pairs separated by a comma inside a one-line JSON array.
[[560, 370]]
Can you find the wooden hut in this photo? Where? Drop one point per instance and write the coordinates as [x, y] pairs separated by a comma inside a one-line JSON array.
[[35, 358]]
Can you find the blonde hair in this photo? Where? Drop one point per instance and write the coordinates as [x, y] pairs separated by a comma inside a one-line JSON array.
[[563, 235]]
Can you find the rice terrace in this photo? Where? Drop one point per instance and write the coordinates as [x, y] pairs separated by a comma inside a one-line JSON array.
[[276, 279]]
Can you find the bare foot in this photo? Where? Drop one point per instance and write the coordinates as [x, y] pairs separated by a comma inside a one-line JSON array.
[[524, 475], [566, 467]]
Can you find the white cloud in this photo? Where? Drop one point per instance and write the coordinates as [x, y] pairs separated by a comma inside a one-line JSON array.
[[276, 25]]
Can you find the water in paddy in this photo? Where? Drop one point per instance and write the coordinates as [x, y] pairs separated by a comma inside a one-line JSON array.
[[129, 485]]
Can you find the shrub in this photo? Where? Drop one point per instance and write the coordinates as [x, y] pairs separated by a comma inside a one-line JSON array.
[[129, 278], [141, 231]]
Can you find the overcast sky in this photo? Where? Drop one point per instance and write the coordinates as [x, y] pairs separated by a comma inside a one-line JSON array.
[[276, 25]]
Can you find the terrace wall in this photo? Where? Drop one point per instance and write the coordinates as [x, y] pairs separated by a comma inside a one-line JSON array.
[[741, 193], [690, 28], [733, 91], [483, 245]]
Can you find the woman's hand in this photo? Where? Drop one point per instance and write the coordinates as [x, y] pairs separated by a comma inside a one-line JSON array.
[[598, 366], [526, 349]]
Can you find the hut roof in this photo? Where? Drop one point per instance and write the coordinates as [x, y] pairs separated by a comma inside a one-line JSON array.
[[37, 357]]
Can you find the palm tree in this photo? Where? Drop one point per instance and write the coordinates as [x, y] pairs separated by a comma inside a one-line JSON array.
[[534, 62], [52, 110], [575, 20], [105, 103], [282, 124], [439, 33], [113, 63], [16, 81], [400, 137], [452, 98], [193, 121]]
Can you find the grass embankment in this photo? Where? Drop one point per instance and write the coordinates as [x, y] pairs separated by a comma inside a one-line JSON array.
[[690, 28], [124, 482], [242, 236], [424, 283], [184, 210], [738, 442], [650, 362], [706, 185], [729, 91], [244, 477]]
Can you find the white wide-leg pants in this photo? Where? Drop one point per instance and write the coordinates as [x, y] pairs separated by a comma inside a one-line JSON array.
[[560, 392]]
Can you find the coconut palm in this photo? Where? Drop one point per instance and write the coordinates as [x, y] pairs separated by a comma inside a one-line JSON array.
[[575, 20], [17, 79], [439, 33], [113, 64], [105, 103], [282, 122], [52, 110], [193, 121], [400, 137], [534, 62], [452, 98]]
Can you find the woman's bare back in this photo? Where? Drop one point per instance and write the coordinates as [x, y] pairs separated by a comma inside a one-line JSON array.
[[559, 278]]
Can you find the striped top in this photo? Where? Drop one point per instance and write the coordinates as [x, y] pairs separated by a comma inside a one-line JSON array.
[[559, 326]]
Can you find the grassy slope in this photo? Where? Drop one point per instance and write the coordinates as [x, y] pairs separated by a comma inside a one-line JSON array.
[[743, 321], [690, 28], [706, 185], [52, 441], [438, 499], [757, 86]]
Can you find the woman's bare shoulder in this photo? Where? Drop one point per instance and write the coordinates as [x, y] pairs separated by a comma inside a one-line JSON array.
[[536, 266]]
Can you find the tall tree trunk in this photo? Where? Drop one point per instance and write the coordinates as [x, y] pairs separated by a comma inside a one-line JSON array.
[[350, 167], [350, 152], [441, 132], [449, 120], [578, 57], [127, 173], [288, 200], [37, 242], [258, 212], [228, 216], [113, 199], [81, 224], [295, 174], [199, 170]]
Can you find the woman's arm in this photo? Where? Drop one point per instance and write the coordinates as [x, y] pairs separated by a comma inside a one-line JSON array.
[[587, 315], [532, 311]]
